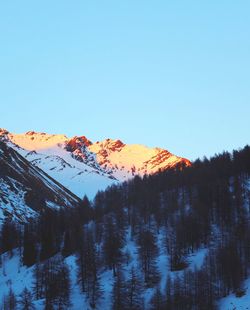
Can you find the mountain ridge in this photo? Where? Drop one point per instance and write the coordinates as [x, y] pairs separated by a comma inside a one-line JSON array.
[[83, 166]]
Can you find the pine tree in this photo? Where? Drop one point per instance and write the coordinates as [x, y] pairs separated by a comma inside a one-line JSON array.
[[148, 252], [69, 244], [9, 237], [26, 300], [29, 247], [119, 292], [57, 284], [158, 300], [88, 269], [39, 281], [112, 244], [10, 302], [134, 289]]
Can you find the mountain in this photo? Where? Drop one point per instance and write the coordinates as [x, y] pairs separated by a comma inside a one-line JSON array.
[[25, 189], [85, 167], [175, 240]]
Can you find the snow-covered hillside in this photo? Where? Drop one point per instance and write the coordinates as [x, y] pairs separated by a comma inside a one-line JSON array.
[[14, 275], [25, 189], [177, 240], [85, 167]]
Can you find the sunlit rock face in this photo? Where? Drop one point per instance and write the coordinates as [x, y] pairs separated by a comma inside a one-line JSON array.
[[85, 167], [126, 160]]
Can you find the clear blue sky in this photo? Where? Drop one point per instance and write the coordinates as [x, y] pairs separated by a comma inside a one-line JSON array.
[[173, 74]]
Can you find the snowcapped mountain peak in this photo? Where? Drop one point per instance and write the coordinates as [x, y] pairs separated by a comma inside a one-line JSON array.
[[85, 167], [126, 161], [35, 141]]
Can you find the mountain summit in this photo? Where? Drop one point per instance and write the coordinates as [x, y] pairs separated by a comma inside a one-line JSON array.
[[85, 167]]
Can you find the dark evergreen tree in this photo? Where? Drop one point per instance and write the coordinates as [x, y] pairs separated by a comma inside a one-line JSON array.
[[29, 247], [119, 300], [57, 284], [9, 237], [39, 280], [112, 245], [88, 269], [148, 252], [10, 302], [158, 301], [134, 291], [26, 300]]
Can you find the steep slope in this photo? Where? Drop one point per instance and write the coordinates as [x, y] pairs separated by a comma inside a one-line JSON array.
[[25, 189], [85, 167], [50, 153]]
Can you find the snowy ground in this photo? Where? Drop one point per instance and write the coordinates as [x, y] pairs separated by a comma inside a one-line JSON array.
[[13, 274], [17, 277], [232, 302]]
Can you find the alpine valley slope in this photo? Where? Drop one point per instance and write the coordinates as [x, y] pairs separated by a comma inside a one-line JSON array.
[[25, 189], [85, 167]]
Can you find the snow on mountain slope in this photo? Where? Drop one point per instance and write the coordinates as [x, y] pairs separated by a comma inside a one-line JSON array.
[[85, 167], [25, 189], [49, 153], [125, 161], [16, 276]]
